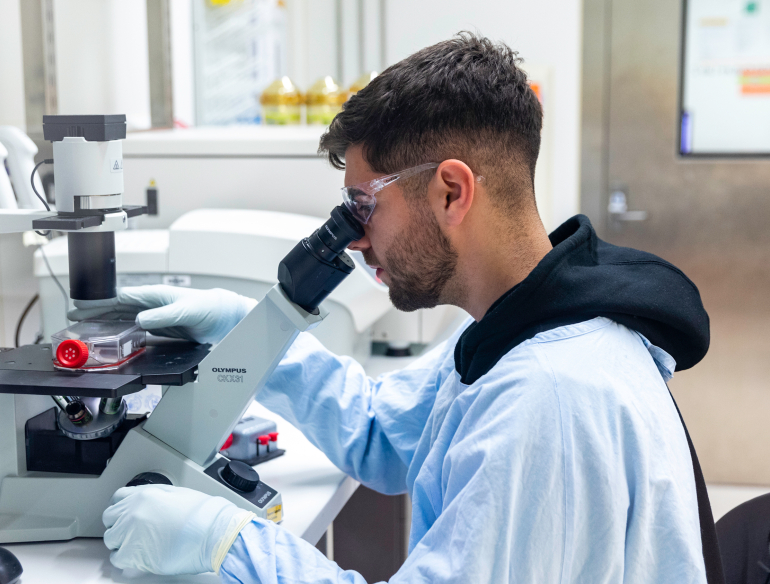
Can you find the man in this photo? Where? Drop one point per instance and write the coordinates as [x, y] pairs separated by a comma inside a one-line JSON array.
[[539, 443]]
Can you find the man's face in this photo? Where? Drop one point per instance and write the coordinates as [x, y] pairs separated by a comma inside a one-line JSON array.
[[403, 241]]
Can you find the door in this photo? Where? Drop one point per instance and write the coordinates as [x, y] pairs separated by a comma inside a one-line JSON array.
[[710, 216]]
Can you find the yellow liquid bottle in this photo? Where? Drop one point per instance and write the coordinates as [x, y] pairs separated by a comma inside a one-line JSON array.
[[324, 101], [281, 103]]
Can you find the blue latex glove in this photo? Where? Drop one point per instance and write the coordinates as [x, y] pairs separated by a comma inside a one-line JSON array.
[[203, 316], [171, 530]]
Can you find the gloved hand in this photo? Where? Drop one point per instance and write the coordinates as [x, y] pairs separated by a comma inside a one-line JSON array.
[[203, 316], [171, 530]]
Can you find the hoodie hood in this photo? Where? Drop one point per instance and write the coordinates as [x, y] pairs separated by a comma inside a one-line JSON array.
[[581, 278]]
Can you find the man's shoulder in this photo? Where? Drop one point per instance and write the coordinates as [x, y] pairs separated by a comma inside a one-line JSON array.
[[573, 349], [592, 348], [598, 380], [597, 358], [597, 364]]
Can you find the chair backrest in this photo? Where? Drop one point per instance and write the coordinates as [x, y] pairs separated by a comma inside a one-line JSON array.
[[744, 542]]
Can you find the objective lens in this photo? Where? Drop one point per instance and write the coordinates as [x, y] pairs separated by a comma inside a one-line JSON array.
[[61, 401], [110, 405], [78, 412]]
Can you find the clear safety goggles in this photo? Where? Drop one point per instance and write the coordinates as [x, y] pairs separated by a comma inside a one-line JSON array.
[[360, 199]]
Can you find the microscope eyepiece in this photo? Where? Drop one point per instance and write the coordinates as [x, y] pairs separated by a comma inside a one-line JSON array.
[[340, 230], [318, 263]]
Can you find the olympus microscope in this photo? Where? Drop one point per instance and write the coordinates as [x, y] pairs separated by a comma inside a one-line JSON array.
[[58, 470]]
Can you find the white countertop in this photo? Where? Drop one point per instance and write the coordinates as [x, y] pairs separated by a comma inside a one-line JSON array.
[[313, 490]]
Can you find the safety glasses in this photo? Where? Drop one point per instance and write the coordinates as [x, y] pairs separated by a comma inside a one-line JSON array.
[[360, 199]]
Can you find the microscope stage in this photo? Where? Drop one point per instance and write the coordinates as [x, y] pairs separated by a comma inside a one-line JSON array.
[[29, 370]]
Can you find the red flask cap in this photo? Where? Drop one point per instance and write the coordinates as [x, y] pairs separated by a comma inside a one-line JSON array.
[[72, 353], [228, 443], [263, 440], [273, 436]]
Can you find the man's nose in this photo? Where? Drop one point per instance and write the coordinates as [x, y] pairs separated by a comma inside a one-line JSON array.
[[362, 244]]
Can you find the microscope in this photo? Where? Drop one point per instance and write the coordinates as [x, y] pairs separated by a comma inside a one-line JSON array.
[[61, 460]]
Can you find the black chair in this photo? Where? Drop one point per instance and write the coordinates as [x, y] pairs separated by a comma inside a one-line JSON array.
[[744, 542]]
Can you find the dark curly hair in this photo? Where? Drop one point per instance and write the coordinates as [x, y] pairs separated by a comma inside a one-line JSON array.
[[464, 98]]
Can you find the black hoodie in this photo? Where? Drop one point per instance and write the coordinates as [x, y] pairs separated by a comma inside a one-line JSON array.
[[583, 277]]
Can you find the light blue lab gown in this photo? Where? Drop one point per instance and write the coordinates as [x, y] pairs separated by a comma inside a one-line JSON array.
[[566, 462]]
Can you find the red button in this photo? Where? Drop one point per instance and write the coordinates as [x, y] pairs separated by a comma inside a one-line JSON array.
[[273, 436], [228, 443], [263, 440], [72, 353]]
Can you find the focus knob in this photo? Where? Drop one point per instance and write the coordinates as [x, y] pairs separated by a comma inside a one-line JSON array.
[[240, 476]]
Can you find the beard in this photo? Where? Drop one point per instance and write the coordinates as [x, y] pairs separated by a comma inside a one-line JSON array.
[[420, 262]]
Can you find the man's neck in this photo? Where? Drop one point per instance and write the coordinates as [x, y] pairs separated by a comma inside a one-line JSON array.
[[490, 270]]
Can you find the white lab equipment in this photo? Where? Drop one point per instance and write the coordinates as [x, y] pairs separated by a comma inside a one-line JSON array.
[[7, 198], [88, 174], [21, 162], [56, 484]]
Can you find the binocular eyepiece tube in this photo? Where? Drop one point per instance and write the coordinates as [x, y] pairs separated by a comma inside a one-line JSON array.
[[318, 263], [340, 230]]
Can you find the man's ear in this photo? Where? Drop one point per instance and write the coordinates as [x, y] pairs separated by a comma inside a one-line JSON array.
[[451, 192]]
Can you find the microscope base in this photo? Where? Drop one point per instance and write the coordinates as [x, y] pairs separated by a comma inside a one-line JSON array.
[[45, 507]]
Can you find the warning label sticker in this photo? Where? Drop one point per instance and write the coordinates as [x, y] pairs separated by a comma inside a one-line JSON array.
[[116, 165], [275, 514]]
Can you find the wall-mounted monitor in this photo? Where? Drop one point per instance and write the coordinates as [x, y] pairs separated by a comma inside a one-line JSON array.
[[725, 78]]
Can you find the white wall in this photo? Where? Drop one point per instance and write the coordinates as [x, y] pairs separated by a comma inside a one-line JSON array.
[[11, 75], [101, 58], [183, 84], [312, 40], [547, 34]]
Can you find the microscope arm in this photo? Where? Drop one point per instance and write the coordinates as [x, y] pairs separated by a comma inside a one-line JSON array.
[[229, 378]]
